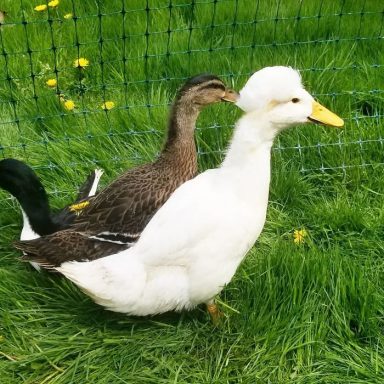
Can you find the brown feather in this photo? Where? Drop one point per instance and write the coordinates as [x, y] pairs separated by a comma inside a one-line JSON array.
[[54, 249]]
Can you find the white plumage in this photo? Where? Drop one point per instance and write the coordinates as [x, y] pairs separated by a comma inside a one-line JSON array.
[[193, 245]]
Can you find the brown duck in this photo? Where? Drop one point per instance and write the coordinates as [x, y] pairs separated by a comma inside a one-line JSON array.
[[115, 218]]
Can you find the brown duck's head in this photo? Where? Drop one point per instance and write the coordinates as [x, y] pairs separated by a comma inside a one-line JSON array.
[[206, 89]]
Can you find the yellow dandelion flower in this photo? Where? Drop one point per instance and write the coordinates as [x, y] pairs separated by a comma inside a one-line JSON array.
[[53, 3], [69, 105], [299, 235], [77, 208], [40, 8], [51, 82], [108, 105], [81, 63], [68, 16]]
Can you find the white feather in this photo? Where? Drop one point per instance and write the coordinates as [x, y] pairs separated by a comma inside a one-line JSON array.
[[98, 174], [27, 233], [270, 83]]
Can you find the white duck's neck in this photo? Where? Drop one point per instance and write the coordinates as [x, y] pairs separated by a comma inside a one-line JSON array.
[[251, 145]]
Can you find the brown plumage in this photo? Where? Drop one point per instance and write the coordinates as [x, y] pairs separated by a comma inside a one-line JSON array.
[[115, 218]]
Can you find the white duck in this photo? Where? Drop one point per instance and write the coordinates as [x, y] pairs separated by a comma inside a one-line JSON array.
[[193, 245]]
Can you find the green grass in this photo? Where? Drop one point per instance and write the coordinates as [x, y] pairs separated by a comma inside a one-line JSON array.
[[311, 313]]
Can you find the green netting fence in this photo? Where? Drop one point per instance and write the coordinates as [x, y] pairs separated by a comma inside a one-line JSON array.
[[111, 111]]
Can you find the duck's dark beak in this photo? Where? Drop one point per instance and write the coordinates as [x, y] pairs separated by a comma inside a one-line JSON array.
[[322, 115], [230, 95]]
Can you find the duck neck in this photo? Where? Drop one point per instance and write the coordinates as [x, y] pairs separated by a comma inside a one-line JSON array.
[[37, 216], [27, 233], [180, 142], [251, 145]]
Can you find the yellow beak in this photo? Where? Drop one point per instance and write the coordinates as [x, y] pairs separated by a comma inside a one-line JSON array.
[[324, 116]]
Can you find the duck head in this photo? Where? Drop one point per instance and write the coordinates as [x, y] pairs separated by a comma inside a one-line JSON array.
[[205, 89], [278, 93], [21, 181]]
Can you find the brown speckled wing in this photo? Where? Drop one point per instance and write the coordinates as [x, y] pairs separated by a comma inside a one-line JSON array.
[[127, 205], [53, 250], [118, 214]]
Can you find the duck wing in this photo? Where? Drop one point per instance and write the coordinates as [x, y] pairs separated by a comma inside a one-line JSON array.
[[53, 250], [113, 219], [126, 206], [70, 245]]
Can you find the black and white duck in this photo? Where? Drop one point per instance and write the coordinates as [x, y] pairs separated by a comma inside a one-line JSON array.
[[115, 218], [21, 181]]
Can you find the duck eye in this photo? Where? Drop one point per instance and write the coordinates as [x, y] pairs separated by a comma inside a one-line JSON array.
[[295, 100]]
